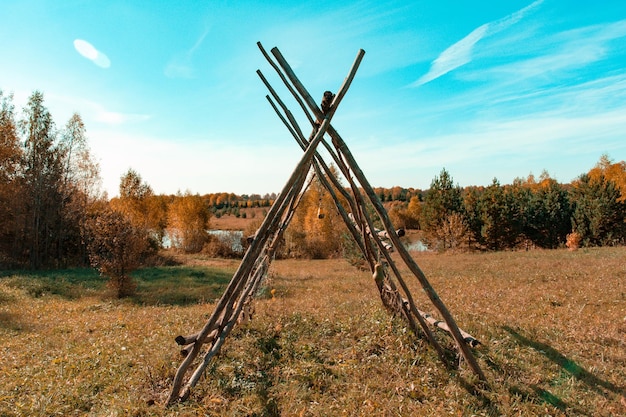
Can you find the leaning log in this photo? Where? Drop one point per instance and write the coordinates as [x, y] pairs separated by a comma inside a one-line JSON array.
[[342, 148]]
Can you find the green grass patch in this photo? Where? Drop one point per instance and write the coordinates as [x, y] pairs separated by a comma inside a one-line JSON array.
[[67, 283], [179, 285], [176, 285]]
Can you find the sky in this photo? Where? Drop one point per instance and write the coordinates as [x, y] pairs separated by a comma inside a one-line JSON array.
[[487, 89]]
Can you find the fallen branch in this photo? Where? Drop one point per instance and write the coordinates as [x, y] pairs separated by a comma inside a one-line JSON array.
[[467, 338]]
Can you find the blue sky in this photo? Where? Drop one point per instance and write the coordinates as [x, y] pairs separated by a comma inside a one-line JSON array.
[[483, 89]]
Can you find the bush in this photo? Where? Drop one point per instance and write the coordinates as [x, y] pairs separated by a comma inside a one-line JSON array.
[[116, 247], [573, 241], [227, 246]]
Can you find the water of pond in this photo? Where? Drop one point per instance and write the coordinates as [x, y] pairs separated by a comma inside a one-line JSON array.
[[233, 239], [229, 237]]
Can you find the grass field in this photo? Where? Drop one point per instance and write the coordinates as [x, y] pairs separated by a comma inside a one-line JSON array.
[[552, 326]]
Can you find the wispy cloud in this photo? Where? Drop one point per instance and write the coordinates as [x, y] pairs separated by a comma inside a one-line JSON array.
[[92, 111], [560, 52], [62, 106], [102, 115], [180, 66], [515, 147], [461, 52]]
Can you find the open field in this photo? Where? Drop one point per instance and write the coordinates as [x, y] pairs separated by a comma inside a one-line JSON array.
[[232, 222], [552, 324]]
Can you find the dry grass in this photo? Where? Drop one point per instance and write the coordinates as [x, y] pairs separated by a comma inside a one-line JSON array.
[[552, 323], [232, 222]]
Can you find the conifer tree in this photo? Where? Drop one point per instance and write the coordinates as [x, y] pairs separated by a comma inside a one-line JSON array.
[[496, 214], [43, 175], [599, 213], [443, 199]]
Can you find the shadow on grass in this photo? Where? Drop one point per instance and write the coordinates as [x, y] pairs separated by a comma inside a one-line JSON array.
[[569, 366], [9, 321], [175, 285]]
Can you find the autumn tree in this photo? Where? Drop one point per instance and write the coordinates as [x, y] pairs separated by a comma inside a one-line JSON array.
[[414, 213], [188, 221], [611, 171], [316, 227], [138, 203], [81, 171], [45, 175], [11, 211], [80, 185], [405, 215], [454, 231], [116, 247]]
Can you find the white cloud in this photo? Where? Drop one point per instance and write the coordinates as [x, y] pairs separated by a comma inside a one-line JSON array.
[[65, 105], [460, 53], [505, 149], [508, 21], [455, 56], [116, 118], [88, 51]]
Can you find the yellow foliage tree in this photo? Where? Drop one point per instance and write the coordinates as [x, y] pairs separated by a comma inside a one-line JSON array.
[[405, 215], [316, 228], [116, 248], [188, 221], [615, 172], [139, 204]]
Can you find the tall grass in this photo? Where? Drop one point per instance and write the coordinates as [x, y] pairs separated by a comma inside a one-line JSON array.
[[552, 326]]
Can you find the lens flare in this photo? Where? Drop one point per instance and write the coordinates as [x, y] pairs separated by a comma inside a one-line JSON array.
[[88, 51]]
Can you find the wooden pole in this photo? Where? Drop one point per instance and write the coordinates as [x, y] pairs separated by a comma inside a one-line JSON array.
[[237, 283], [251, 254], [406, 257], [362, 217]]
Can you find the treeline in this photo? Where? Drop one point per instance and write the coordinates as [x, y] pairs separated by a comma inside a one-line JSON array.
[[397, 193], [590, 211], [52, 206], [530, 213], [48, 181], [53, 213]]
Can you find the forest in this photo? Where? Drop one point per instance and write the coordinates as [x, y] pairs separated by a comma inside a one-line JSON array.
[[53, 213]]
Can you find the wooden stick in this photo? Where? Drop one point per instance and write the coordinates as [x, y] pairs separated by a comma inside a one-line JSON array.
[[186, 340], [366, 248], [360, 204], [219, 341], [251, 254], [319, 165], [253, 251], [297, 97], [467, 338], [406, 257]]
